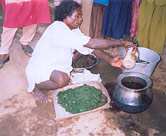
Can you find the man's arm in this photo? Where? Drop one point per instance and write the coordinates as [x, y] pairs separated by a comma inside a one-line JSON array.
[[96, 43], [115, 62], [102, 55]]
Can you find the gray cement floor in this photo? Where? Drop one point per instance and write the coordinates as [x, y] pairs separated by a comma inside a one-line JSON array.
[[22, 115]]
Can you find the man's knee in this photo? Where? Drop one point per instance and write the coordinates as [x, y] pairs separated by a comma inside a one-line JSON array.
[[60, 78], [63, 80]]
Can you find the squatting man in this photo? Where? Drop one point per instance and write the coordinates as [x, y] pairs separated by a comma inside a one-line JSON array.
[[51, 62]]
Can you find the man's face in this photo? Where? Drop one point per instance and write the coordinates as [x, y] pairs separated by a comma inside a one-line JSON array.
[[75, 19]]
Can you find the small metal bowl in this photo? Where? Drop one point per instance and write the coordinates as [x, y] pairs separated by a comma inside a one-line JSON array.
[[81, 70]]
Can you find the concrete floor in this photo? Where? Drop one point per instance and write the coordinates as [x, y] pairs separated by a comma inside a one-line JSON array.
[[22, 115]]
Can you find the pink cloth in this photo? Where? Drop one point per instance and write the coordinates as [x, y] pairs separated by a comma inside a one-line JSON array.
[[3, 4], [134, 19], [21, 13]]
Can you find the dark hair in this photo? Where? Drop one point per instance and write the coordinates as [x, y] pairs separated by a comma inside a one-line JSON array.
[[66, 8]]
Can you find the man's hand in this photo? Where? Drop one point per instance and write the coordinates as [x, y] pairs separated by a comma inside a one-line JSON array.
[[128, 43], [117, 62]]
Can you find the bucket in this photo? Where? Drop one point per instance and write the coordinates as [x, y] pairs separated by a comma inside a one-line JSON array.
[[147, 55]]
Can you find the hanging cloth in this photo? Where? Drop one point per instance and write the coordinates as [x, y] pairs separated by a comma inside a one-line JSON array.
[[152, 25], [21, 13], [134, 18], [117, 19], [97, 18], [103, 2]]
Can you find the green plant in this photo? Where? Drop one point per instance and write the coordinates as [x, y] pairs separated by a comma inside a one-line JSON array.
[[81, 99]]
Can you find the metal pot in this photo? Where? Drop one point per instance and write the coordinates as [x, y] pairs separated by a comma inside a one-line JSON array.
[[133, 92], [81, 70]]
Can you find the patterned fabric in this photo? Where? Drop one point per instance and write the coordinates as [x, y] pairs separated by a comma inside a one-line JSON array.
[[21, 13]]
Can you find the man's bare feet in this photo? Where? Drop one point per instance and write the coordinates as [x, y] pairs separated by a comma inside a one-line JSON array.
[[40, 96]]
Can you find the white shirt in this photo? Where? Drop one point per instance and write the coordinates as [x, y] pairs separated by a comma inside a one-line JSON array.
[[54, 51]]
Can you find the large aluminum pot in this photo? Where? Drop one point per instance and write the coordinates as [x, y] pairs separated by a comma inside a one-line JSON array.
[[133, 92]]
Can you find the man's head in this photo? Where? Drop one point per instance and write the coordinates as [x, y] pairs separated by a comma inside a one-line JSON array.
[[70, 13]]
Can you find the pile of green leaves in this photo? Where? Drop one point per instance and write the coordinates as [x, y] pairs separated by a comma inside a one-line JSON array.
[[81, 99]]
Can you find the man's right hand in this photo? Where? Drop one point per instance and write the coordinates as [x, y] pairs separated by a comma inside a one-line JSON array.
[[128, 43], [118, 62]]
